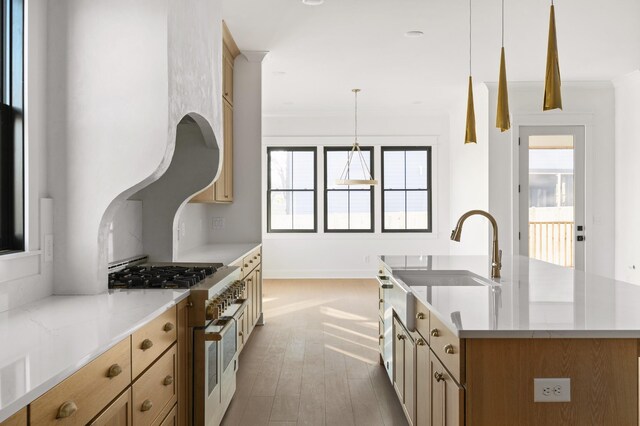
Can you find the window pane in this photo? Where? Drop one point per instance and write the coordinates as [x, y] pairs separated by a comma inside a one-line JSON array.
[[336, 161], [281, 170], [393, 169], [303, 170], [337, 210], [394, 210], [360, 214], [542, 190], [303, 210], [416, 169], [281, 210], [417, 210]]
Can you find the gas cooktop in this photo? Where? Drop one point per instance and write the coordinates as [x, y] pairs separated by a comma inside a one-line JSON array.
[[162, 275]]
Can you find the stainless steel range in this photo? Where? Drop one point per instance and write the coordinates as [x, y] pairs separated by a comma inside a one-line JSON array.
[[218, 301]]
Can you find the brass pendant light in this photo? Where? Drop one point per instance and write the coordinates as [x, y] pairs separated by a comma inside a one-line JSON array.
[[503, 122], [470, 129], [366, 173], [552, 89]]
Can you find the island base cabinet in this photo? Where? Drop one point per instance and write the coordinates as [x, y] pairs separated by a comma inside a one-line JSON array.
[[18, 419], [423, 383], [447, 398], [404, 370]]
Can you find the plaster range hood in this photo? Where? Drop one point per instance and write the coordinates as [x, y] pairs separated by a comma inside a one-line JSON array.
[[134, 93]]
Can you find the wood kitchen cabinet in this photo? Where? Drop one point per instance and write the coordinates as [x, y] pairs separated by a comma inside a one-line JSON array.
[[447, 398], [221, 191], [18, 419], [118, 413], [404, 358]]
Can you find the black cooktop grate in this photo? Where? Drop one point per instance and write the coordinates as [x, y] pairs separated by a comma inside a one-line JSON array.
[[160, 276]]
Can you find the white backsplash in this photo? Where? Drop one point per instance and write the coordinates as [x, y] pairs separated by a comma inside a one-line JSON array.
[[125, 231]]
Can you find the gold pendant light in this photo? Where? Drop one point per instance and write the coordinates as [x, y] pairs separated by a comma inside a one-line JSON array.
[[503, 122], [552, 89], [346, 172], [470, 133]]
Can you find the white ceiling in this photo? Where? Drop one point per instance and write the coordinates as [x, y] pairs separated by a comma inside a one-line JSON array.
[[327, 50]]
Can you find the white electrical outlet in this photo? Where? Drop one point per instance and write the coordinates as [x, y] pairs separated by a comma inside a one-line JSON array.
[[552, 390], [217, 223], [48, 248], [183, 230]]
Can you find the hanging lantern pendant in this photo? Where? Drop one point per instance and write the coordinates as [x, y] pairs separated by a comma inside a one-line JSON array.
[[366, 173], [552, 89]]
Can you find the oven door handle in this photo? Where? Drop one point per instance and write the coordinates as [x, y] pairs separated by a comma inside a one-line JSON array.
[[216, 336]]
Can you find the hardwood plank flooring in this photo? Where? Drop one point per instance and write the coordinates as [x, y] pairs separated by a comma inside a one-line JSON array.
[[315, 362]]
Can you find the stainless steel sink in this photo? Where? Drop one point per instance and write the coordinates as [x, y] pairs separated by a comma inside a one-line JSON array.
[[440, 278]]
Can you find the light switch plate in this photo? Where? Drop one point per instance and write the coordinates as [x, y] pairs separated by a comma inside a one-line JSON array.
[[552, 390]]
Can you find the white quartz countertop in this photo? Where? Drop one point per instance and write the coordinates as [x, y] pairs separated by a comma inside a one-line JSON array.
[[223, 253], [532, 299], [44, 342]]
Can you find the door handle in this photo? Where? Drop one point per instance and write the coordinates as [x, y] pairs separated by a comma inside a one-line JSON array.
[[580, 238]]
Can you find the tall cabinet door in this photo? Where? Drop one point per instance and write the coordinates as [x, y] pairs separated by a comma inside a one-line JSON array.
[[410, 379], [423, 384], [447, 398], [398, 358]]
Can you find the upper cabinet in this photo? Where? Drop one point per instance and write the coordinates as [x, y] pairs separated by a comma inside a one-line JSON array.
[[221, 191]]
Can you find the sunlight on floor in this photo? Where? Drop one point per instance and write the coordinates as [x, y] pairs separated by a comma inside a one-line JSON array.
[[346, 330], [371, 348], [294, 307], [337, 313]]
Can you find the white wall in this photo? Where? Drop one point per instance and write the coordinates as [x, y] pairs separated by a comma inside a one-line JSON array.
[[27, 277], [322, 255], [588, 104], [627, 177], [121, 76], [242, 223]]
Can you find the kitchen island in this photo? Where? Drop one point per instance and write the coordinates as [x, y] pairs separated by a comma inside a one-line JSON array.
[[463, 348]]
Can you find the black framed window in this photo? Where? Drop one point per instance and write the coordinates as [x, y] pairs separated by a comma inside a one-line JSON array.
[[291, 189], [347, 208], [406, 189], [11, 127]]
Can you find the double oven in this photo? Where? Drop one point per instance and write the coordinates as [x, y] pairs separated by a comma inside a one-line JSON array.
[[218, 306]]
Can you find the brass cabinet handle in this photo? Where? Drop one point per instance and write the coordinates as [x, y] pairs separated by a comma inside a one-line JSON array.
[[380, 272], [246, 265], [420, 342], [380, 337], [420, 316], [168, 327], [250, 260], [381, 300], [240, 333], [67, 409], [255, 257], [438, 376], [401, 337], [167, 381], [146, 405], [435, 332], [114, 371], [448, 349], [146, 344]]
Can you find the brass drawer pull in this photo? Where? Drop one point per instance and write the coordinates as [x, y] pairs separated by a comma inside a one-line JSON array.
[[246, 265], [146, 344], [420, 316], [146, 405], [168, 327], [448, 349], [67, 409], [255, 257], [438, 376], [380, 337], [240, 333], [435, 332], [381, 300], [401, 337], [114, 370], [167, 380], [420, 342]]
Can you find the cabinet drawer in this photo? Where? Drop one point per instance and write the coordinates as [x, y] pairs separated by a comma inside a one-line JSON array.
[[155, 392], [82, 396], [448, 348], [117, 414], [18, 419], [251, 260], [422, 320], [152, 340], [172, 418]]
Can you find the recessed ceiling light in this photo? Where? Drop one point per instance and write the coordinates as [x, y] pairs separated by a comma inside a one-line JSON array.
[[414, 34], [313, 2]]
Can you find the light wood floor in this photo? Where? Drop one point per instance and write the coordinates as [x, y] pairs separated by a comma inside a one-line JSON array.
[[315, 362]]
